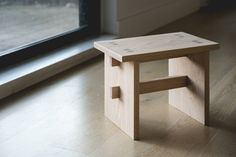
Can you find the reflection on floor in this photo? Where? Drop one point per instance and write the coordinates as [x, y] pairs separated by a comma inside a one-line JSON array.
[[63, 116]]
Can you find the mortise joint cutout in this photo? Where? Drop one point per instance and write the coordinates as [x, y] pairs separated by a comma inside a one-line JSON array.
[[115, 62], [115, 92]]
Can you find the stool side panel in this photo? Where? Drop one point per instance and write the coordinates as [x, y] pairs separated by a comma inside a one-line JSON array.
[[124, 112], [193, 99]]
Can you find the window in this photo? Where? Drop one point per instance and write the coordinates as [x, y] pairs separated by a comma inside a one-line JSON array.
[[30, 26]]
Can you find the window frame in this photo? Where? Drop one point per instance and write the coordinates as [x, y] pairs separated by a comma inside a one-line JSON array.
[[42, 47]]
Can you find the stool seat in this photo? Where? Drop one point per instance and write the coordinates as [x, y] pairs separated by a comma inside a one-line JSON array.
[[155, 47]]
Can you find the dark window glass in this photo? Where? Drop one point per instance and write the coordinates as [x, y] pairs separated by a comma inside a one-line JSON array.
[[23, 22]]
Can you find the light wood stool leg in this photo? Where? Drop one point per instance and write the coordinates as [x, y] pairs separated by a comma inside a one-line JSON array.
[[193, 99], [123, 111]]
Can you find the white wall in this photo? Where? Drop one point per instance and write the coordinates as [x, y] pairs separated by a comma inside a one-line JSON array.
[[139, 17], [109, 16]]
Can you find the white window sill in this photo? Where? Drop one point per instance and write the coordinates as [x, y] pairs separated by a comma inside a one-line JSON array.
[[21, 76]]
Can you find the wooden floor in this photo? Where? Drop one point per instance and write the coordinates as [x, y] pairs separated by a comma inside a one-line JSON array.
[[63, 116]]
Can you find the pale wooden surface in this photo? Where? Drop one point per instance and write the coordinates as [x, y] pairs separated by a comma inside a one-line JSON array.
[[64, 116], [161, 84], [194, 67], [155, 47], [193, 99], [124, 112]]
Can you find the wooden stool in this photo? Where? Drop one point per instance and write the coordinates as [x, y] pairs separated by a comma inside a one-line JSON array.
[[188, 67]]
